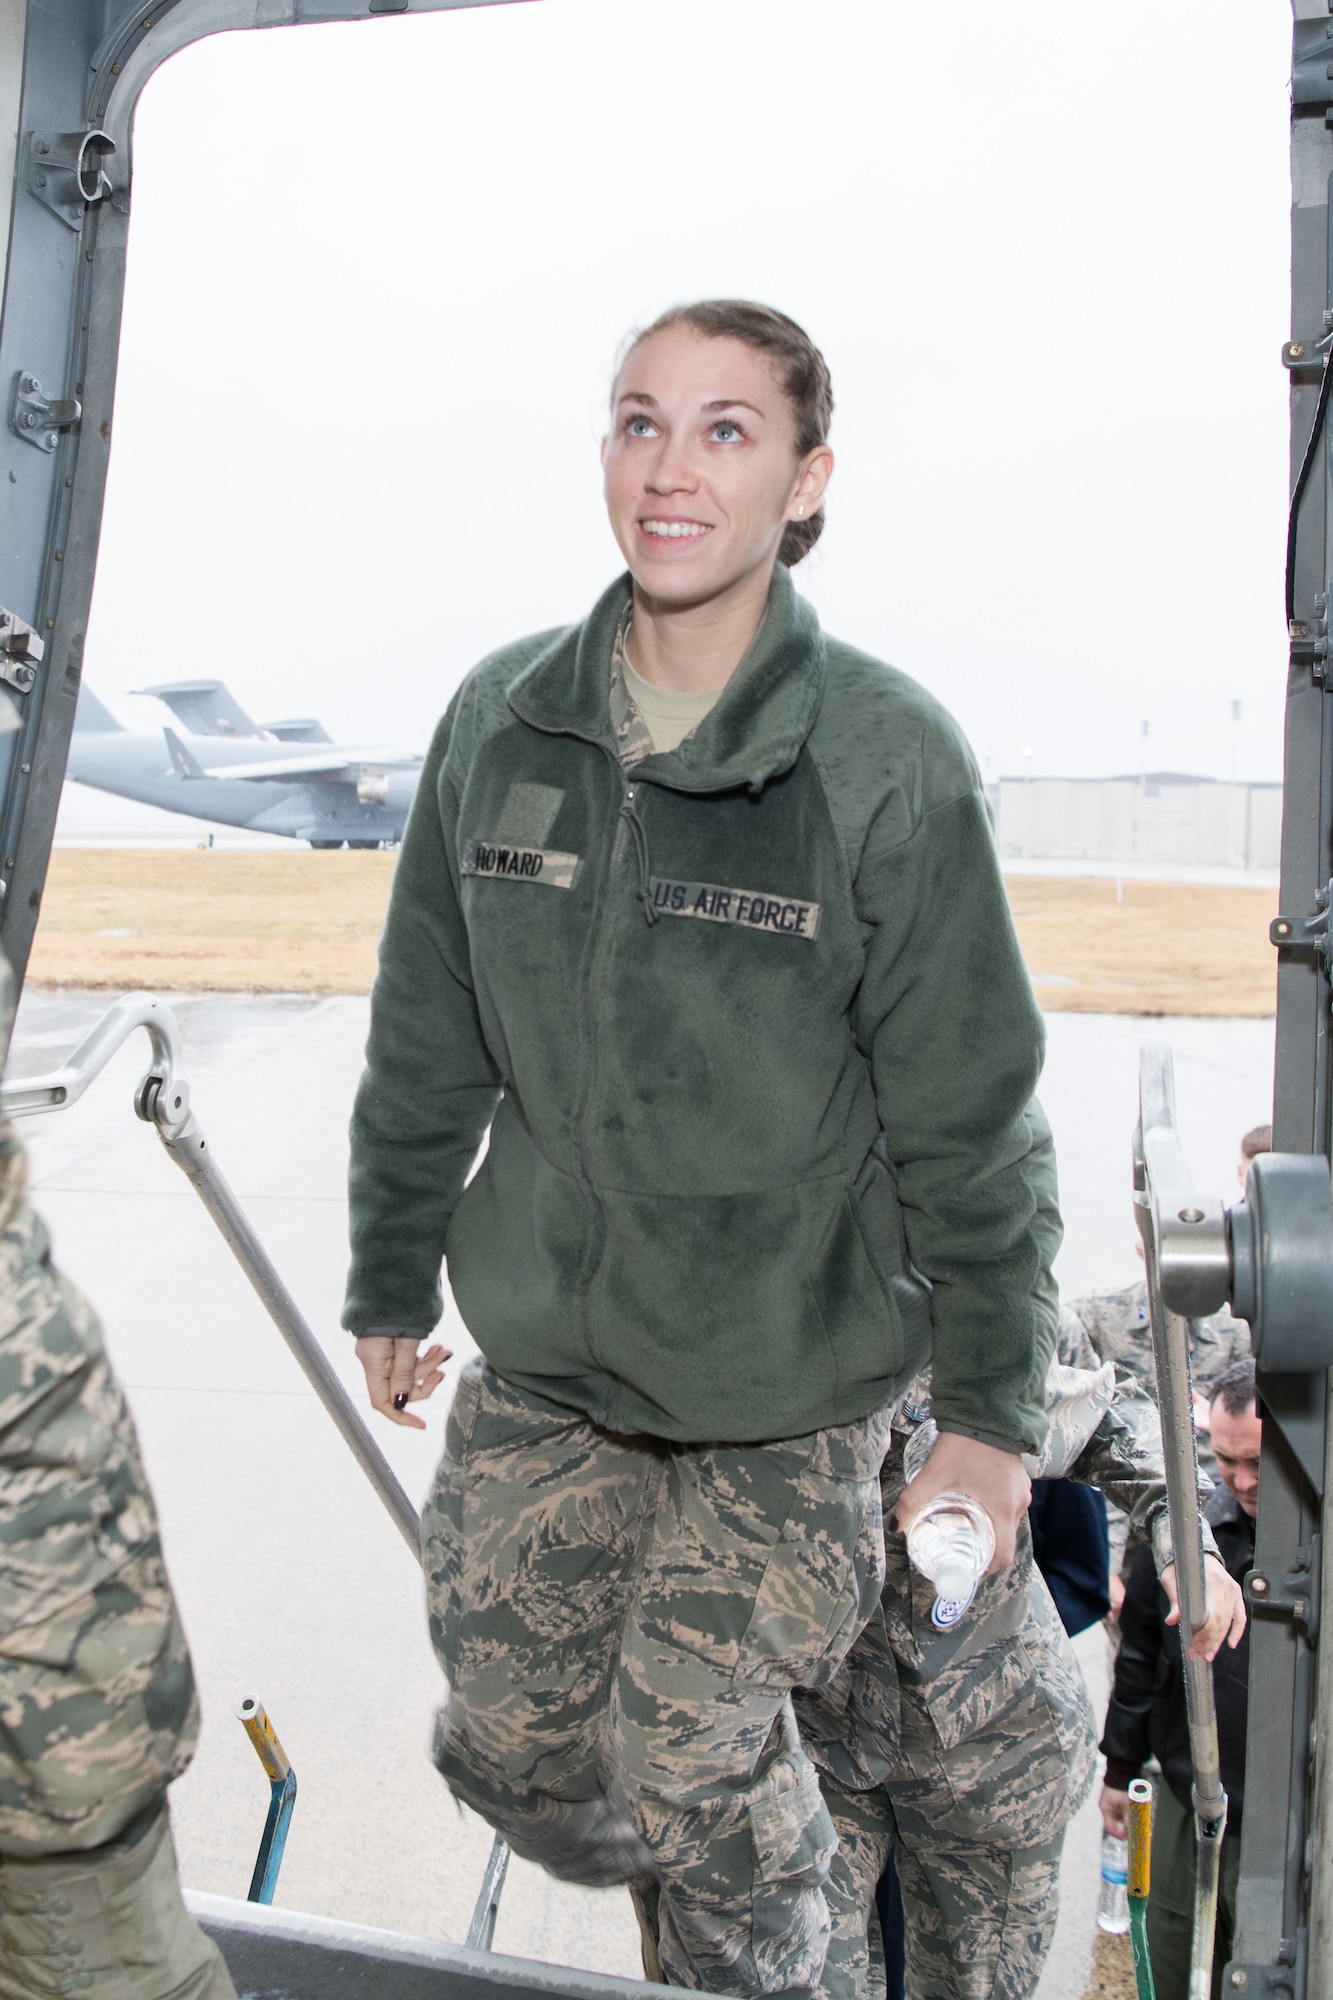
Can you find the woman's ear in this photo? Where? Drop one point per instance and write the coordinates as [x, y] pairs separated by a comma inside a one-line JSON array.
[[811, 483]]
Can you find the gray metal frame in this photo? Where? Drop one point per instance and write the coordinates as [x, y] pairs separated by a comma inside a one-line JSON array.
[[1282, 1899], [279, 1955]]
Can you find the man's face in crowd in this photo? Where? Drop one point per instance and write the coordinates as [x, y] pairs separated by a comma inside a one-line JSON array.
[[1236, 1443]]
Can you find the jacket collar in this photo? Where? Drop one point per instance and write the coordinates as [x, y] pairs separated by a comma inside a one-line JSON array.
[[758, 727]]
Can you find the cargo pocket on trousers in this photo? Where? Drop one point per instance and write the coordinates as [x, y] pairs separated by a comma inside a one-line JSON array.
[[794, 1845], [820, 1585]]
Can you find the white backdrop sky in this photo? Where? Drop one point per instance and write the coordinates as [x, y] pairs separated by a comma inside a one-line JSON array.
[[379, 272]]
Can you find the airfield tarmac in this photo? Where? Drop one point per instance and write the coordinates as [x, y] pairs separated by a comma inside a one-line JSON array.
[[293, 1583]]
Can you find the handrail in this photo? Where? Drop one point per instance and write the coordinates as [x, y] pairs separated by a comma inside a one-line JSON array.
[[66, 1085], [1181, 1232], [163, 1100]]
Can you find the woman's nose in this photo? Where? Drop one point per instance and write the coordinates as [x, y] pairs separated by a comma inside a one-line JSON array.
[[670, 472]]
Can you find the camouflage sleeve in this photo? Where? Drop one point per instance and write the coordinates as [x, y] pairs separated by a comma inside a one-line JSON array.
[[1047, 1226], [1123, 1459], [1073, 1343], [97, 1701]]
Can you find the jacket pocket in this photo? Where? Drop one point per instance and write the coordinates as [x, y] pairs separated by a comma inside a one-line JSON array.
[[873, 1201]]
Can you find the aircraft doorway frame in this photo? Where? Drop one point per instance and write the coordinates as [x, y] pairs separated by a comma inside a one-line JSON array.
[[68, 132]]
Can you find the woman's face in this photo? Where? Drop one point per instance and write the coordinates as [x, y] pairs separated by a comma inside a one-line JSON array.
[[700, 465]]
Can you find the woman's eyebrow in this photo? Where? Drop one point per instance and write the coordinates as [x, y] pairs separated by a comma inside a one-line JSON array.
[[733, 403]]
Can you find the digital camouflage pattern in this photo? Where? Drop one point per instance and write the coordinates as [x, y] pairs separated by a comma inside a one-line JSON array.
[[1112, 1325], [972, 1749], [621, 1622], [981, 1922], [634, 739], [97, 1700], [1115, 1320], [112, 1921]]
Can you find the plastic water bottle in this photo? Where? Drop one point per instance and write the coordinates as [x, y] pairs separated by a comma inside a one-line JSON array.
[[951, 1541], [1113, 1904]]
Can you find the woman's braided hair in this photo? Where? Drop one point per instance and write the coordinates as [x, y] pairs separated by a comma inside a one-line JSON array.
[[802, 370]]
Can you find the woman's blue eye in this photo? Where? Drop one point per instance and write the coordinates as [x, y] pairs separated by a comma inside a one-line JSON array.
[[640, 427], [725, 424]]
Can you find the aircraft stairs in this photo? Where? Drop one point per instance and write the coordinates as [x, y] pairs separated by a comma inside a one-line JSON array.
[[273, 1953]]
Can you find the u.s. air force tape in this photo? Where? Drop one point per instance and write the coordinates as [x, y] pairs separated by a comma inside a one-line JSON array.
[[786, 916], [520, 864]]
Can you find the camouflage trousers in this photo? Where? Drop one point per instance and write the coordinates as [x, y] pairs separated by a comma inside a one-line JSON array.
[[622, 1621], [969, 1751], [97, 1700]]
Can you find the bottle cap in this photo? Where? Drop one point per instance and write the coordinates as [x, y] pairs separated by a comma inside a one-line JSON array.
[[955, 1587]]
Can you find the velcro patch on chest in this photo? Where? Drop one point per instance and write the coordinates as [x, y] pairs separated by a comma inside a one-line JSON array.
[[520, 864], [784, 916]]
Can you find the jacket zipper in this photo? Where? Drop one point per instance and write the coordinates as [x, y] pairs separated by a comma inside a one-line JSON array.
[[591, 993]]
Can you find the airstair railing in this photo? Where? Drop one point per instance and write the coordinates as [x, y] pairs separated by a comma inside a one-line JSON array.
[[1188, 1273], [163, 1101]]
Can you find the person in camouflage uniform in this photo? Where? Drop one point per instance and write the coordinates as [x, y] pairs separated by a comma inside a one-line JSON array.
[[728, 984], [97, 1699], [968, 1751]]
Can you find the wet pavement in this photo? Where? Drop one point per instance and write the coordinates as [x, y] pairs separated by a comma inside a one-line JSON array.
[[294, 1584]]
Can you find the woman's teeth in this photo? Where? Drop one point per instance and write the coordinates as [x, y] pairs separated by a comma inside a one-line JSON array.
[[674, 529]]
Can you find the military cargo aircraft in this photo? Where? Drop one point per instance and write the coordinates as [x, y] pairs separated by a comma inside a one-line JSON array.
[[287, 777]]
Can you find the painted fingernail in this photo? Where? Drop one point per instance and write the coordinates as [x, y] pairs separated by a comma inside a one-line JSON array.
[[400, 1400]]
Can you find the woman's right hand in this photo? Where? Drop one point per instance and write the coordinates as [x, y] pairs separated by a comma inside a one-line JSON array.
[[394, 1369], [1115, 1811]]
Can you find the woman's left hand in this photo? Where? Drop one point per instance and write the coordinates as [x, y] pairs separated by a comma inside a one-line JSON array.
[[996, 1480]]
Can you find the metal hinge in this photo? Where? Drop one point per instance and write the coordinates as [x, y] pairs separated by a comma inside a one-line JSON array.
[[63, 170], [1305, 359], [1312, 66], [1294, 1593], [1308, 639], [40, 418], [20, 652], [1306, 933]]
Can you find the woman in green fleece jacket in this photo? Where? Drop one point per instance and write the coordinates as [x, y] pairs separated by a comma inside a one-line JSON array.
[[754, 1074]]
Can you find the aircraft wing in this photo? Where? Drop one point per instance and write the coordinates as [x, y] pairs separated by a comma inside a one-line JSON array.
[[322, 762]]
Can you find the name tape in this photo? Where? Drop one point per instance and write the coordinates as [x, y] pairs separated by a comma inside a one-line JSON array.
[[784, 916], [520, 864]]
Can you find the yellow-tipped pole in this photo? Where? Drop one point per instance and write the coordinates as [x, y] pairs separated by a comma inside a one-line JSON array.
[[1138, 1878]]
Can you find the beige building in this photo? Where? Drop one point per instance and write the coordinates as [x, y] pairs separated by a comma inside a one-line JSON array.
[[1164, 816]]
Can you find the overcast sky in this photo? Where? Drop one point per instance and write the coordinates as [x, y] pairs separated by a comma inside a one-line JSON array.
[[379, 272]]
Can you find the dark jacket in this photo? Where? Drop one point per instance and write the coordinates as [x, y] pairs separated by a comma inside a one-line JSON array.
[[756, 1035], [1146, 1714]]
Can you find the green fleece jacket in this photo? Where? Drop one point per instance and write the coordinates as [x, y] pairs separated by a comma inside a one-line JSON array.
[[753, 1039]]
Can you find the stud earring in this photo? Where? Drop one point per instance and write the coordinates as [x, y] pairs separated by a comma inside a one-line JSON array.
[[800, 513]]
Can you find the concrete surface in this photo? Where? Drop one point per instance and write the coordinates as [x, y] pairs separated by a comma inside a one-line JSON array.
[[294, 1586]]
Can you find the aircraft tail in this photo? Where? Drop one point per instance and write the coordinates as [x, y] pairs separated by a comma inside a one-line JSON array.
[[205, 707], [91, 714], [185, 760]]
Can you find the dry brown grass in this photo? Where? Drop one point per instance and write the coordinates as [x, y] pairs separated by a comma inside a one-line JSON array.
[[302, 922], [1167, 948], [296, 922]]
